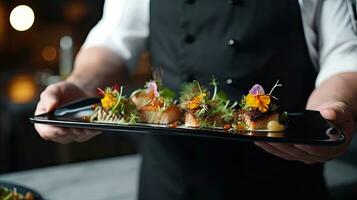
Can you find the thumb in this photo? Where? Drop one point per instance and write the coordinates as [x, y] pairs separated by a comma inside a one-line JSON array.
[[335, 112], [340, 115], [330, 113], [49, 100]]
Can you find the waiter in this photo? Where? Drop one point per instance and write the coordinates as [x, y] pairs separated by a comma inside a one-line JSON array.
[[309, 45]]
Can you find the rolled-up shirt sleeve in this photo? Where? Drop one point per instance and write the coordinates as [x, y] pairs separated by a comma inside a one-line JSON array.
[[123, 28], [337, 40]]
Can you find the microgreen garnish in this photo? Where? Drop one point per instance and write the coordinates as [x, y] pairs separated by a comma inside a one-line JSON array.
[[275, 86], [133, 118], [115, 107], [196, 99], [214, 83], [119, 96]]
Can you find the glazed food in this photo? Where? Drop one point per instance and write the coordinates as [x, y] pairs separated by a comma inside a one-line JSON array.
[[12, 194], [155, 104], [258, 112], [114, 107], [203, 110], [198, 108]]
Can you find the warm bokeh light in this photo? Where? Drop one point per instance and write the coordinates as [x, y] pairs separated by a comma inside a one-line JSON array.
[[49, 53], [76, 10], [22, 18], [22, 89], [3, 25]]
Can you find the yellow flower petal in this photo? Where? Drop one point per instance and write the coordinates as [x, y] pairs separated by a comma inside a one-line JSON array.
[[264, 101], [252, 101], [258, 101], [108, 101]]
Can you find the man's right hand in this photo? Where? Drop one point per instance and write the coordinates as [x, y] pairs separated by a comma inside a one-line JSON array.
[[52, 97]]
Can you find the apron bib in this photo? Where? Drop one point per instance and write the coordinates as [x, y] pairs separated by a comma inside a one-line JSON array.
[[245, 42]]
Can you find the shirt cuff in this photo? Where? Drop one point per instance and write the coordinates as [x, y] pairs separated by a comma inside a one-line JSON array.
[[99, 39], [338, 62]]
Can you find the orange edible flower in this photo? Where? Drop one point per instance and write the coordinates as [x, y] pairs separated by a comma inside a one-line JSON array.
[[108, 101], [196, 101], [258, 101], [154, 105]]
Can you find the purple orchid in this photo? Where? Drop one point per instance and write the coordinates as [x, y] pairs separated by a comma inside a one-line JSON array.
[[152, 86], [257, 90]]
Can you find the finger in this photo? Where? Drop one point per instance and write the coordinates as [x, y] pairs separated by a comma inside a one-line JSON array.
[[63, 140], [79, 135], [90, 134], [83, 135], [298, 153], [272, 150], [63, 136], [84, 132], [328, 152], [40, 108], [52, 133], [50, 98], [78, 132], [340, 116], [339, 113], [268, 148], [47, 132], [329, 114], [55, 134], [84, 138]]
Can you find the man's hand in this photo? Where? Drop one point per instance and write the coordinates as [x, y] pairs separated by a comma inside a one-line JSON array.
[[56, 95], [336, 99], [94, 67], [337, 112]]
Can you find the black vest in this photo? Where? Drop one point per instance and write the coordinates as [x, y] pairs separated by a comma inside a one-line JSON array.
[[240, 42]]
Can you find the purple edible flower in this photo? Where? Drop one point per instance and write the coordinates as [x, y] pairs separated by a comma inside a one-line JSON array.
[[152, 86], [257, 90]]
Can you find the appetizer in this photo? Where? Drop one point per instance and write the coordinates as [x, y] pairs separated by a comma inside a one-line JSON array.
[[203, 110], [258, 112], [114, 107], [12, 194], [155, 104]]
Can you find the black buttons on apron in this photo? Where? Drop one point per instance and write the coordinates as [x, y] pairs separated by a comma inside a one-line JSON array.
[[229, 81], [232, 43]]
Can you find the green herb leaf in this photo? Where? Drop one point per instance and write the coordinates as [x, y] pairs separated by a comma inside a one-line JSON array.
[[167, 93], [222, 95]]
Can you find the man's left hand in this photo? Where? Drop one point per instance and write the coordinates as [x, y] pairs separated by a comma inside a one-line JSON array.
[[340, 114]]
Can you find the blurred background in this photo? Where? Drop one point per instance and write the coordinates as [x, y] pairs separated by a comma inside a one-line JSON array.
[[38, 42]]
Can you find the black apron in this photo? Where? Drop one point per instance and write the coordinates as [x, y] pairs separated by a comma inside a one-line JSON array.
[[241, 43]]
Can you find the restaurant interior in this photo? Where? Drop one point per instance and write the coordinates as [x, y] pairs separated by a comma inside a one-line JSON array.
[[38, 43]]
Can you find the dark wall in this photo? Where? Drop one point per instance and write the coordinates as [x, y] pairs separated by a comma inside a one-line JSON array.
[[21, 54]]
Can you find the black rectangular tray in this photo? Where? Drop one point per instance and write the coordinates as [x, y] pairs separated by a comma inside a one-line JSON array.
[[306, 127]]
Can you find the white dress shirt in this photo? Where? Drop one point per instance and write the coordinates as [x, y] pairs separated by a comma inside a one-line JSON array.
[[328, 27]]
